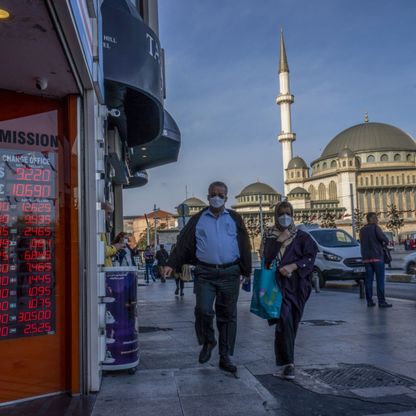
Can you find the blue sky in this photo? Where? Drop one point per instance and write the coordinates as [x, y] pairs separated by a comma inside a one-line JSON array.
[[345, 58]]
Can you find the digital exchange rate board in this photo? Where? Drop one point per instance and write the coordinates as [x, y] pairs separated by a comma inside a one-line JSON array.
[[28, 187]]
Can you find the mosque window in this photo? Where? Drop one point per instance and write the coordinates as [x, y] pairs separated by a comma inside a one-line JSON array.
[[312, 191], [409, 157], [350, 162], [298, 174], [366, 181], [344, 163], [292, 175], [398, 179], [334, 164], [384, 158], [408, 178], [387, 179], [332, 190], [361, 181], [317, 166], [371, 159], [397, 157], [382, 180], [392, 180], [371, 180], [376, 180], [414, 178], [324, 165], [321, 192]]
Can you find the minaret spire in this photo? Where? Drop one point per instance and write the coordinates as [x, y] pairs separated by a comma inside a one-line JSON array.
[[285, 100], [283, 65]]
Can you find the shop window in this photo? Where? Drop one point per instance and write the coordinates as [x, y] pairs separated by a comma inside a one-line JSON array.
[[371, 159], [384, 158], [397, 157]]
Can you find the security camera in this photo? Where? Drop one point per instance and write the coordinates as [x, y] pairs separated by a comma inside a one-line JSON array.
[[41, 83]]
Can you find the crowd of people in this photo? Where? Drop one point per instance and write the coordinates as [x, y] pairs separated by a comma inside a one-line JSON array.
[[217, 245]]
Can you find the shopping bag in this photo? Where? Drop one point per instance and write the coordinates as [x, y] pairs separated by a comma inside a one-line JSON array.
[[267, 296]]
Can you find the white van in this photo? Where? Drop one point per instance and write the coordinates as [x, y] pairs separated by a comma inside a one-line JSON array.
[[339, 256]]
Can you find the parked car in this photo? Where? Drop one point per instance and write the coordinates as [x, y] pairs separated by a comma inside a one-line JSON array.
[[339, 256], [410, 263]]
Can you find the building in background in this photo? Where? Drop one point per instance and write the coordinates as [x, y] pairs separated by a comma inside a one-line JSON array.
[[81, 118], [369, 167]]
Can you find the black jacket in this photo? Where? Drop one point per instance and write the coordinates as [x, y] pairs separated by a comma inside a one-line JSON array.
[[185, 249], [372, 240]]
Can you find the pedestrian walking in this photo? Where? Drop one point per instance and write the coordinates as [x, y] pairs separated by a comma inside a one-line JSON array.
[[162, 258], [149, 259], [373, 242], [217, 243], [294, 252]]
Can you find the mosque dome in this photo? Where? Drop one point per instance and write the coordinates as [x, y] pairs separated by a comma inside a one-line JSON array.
[[297, 163], [298, 190], [369, 136], [257, 188], [346, 153], [194, 202]]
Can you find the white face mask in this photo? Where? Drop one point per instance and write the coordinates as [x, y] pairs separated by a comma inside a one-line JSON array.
[[284, 220], [216, 202]]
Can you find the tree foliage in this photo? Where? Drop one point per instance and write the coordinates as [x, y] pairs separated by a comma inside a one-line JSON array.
[[358, 220], [395, 221], [328, 220]]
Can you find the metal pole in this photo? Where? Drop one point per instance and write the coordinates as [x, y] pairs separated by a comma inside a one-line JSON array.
[[261, 215], [147, 231], [352, 211], [155, 218]]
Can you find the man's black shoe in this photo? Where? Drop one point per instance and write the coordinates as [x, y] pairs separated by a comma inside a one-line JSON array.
[[205, 353], [227, 365], [177, 291], [371, 303], [385, 305]]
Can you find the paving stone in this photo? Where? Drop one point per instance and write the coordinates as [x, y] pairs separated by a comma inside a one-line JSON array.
[[381, 391]]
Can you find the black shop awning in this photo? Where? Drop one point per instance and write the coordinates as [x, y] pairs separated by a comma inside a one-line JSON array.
[[132, 73]]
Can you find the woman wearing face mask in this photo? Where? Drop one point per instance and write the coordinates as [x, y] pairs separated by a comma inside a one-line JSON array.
[[295, 252]]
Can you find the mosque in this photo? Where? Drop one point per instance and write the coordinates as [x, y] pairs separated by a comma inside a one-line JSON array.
[[369, 166]]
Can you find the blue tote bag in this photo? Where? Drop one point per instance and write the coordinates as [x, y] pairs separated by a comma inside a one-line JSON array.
[[267, 296]]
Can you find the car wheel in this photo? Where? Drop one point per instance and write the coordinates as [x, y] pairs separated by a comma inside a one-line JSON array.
[[411, 268], [321, 279]]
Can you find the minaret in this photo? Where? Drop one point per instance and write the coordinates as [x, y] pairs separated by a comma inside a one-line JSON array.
[[285, 99]]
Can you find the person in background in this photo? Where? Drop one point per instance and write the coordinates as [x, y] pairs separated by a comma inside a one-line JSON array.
[[162, 257], [217, 242], [125, 256], [294, 252], [149, 259], [372, 241], [110, 250]]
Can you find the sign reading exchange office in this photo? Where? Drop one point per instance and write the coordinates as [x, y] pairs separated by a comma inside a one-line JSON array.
[[131, 50]]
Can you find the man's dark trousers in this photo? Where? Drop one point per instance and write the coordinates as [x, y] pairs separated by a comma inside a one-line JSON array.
[[223, 285], [376, 268]]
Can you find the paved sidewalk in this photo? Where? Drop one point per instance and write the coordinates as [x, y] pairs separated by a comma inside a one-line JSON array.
[[351, 360]]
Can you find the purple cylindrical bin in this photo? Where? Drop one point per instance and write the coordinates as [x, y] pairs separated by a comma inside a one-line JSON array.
[[122, 330]]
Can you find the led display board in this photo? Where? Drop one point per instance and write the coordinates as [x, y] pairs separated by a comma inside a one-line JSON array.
[[28, 211]]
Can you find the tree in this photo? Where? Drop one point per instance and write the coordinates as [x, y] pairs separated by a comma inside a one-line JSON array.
[[328, 220], [395, 221], [358, 220], [253, 229], [306, 218]]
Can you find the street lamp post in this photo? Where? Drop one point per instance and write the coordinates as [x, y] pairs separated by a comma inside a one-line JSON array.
[[261, 215], [155, 218]]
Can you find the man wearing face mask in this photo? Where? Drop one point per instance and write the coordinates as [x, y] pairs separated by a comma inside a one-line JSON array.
[[294, 252], [217, 243]]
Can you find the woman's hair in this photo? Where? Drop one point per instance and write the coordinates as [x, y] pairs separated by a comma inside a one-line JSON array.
[[282, 206], [120, 237]]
